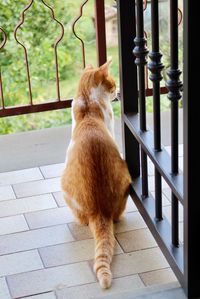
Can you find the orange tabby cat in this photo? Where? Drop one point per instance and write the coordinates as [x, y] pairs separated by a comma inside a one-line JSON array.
[[96, 180]]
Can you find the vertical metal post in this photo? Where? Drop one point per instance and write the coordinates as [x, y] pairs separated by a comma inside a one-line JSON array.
[[191, 152], [174, 85], [128, 80], [155, 66], [141, 51], [100, 31]]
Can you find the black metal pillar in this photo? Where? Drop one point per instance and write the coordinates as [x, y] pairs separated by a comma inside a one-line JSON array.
[[128, 80], [191, 152], [100, 31], [174, 85]]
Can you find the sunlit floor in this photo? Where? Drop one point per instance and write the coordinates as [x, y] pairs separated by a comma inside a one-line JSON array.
[[45, 254]]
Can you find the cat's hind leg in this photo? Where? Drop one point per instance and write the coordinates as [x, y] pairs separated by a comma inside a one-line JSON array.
[[120, 209], [76, 209], [81, 217]]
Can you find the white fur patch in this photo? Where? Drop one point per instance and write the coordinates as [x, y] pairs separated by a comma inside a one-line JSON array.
[[73, 119], [80, 103], [69, 149], [100, 93], [72, 201]]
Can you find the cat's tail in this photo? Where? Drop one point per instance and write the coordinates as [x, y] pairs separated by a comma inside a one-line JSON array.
[[102, 229]]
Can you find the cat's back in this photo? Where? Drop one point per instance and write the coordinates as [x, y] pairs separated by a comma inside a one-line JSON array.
[[94, 154], [91, 137]]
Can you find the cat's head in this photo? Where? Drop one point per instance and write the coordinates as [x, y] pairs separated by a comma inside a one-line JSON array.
[[97, 79]]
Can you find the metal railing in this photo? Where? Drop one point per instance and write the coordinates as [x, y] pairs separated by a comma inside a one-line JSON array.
[[58, 103], [141, 143]]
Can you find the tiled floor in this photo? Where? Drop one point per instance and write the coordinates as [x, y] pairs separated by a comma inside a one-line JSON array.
[[45, 254]]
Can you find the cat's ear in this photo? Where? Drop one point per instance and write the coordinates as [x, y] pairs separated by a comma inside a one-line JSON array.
[[89, 66], [105, 67]]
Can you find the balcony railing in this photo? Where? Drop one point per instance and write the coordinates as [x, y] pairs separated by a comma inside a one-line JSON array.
[[59, 102], [140, 143]]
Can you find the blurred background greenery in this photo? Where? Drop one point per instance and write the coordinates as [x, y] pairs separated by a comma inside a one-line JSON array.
[[38, 34]]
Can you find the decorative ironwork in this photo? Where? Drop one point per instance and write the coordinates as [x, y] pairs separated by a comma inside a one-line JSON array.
[[1, 84], [174, 85], [156, 66], [55, 47], [77, 36], [140, 51], [21, 22], [144, 5], [180, 16], [61, 103], [4, 38]]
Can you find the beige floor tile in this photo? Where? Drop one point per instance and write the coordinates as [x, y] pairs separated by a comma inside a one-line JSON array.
[[35, 239], [167, 212], [151, 183], [6, 193], [181, 232], [70, 253], [130, 206], [138, 262], [49, 295], [13, 224], [167, 192], [80, 232], [130, 221], [180, 161], [180, 150], [150, 167], [20, 262], [136, 240], [59, 199], [165, 201], [4, 292], [28, 204], [37, 187], [49, 217], [52, 171], [162, 276], [20, 176], [91, 290], [45, 280]]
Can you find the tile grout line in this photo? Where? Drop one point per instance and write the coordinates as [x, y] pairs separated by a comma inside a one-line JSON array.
[[40, 180], [13, 192], [26, 221], [119, 243], [40, 170], [52, 193], [8, 286], [41, 258], [87, 261]]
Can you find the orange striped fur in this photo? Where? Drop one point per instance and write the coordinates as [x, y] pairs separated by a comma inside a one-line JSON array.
[[96, 180]]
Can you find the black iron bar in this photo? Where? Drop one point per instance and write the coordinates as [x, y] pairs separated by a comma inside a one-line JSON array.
[[175, 222], [174, 85], [128, 81], [141, 51], [144, 173], [100, 31], [155, 66]]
